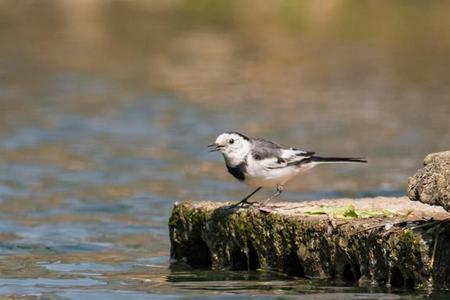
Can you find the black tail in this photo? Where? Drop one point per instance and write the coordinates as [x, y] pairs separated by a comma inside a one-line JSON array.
[[338, 159]]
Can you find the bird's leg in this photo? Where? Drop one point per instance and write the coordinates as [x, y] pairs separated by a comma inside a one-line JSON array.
[[276, 194], [244, 201]]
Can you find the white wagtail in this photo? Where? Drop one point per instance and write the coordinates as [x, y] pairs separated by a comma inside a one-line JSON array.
[[262, 163]]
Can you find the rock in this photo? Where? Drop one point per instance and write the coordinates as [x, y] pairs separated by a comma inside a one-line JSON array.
[[435, 157], [369, 241], [431, 184]]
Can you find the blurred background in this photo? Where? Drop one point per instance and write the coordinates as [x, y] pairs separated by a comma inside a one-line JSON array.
[[106, 108]]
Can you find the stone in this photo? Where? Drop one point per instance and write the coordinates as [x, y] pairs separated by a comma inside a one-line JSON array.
[[369, 241], [431, 183]]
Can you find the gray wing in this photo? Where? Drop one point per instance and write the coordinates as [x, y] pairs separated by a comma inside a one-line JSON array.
[[273, 155], [263, 149]]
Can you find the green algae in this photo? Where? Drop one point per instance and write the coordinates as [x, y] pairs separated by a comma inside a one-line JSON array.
[[348, 212], [307, 245]]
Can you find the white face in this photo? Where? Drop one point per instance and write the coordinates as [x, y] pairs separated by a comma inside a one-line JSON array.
[[233, 146]]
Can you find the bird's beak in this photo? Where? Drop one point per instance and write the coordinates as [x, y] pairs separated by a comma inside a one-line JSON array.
[[217, 147]]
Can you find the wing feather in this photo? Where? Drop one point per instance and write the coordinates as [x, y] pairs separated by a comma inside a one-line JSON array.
[[271, 155]]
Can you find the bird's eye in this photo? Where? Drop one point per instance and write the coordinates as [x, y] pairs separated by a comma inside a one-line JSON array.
[[231, 141]]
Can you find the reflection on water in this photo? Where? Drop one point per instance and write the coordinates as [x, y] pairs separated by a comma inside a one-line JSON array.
[[107, 106]]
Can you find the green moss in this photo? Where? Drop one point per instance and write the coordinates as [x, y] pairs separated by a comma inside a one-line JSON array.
[[410, 256], [349, 212], [307, 245]]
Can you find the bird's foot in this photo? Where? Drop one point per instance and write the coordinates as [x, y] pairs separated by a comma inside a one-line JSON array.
[[244, 202], [275, 195]]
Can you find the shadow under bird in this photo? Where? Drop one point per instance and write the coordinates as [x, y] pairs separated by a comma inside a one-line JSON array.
[[261, 163]]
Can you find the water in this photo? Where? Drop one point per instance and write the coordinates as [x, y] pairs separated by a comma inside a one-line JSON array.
[[107, 108]]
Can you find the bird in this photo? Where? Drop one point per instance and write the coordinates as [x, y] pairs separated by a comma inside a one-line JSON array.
[[260, 163]]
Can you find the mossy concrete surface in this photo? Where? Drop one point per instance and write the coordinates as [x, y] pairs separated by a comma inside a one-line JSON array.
[[370, 241]]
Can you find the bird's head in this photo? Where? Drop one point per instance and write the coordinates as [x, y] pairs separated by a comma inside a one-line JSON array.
[[233, 145]]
